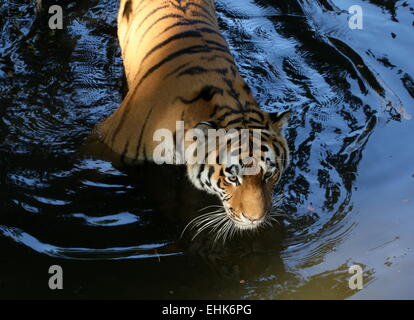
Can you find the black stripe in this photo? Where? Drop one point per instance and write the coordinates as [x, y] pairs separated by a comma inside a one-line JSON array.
[[206, 93], [234, 112], [200, 70], [187, 22], [127, 9], [214, 111], [276, 148], [175, 144], [262, 125], [208, 13], [192, 71], [152, 13], [199, 14], [186, 51], [145, 152], [142, 131], [230, 113], [168, 16], [229, 169], [210, 31], [257, 127], [241, 119], [178, 36], [233, 70], [246, 88], [224, 107], [266, 135], [177, 69], [233, 93], [218, 44], [200, 171], [213, 31], [210, 172], [215, 57], [140, 3], [219, 184], [259, 113]]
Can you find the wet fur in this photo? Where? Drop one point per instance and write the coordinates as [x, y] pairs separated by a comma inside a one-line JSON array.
[[178, 67]]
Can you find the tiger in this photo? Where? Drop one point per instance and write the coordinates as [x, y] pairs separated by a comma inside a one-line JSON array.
[[178, 67]]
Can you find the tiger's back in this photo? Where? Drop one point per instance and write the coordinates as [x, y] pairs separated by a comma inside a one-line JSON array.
[[178, 67]]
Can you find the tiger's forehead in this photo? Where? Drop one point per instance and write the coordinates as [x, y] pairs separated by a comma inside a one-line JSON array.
[[248, 163], [238, 156], [245, 145]]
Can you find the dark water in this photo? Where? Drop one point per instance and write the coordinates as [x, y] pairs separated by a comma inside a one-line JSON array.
[[349, 193]]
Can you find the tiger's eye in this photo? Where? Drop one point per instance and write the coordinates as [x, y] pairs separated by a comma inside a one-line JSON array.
[[233, 179]]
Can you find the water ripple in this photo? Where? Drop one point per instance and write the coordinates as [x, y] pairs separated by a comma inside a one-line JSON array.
[[143, 251]]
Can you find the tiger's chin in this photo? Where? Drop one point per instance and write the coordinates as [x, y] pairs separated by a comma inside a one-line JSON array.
[[248, 226], [244, 224]]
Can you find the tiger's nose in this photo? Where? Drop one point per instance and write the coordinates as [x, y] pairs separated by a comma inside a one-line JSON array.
[[252, 219]]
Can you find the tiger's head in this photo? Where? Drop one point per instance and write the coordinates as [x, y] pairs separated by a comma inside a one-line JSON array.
[[245, 179]]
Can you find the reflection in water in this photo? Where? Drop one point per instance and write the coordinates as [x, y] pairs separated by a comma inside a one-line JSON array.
[[67, 204], [153, 250]]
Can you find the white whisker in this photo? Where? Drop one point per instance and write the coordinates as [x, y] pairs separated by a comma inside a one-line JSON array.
[[212, 206], [213, 220], [200, 219]]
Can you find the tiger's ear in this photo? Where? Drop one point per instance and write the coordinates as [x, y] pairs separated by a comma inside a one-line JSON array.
[[279, 119]]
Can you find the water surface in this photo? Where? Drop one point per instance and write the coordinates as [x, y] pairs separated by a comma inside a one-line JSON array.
[[348, 194]]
